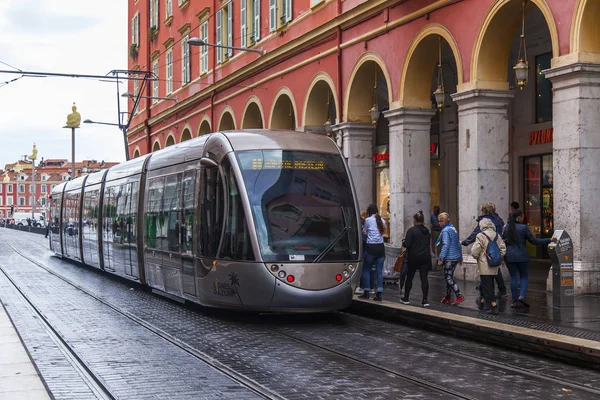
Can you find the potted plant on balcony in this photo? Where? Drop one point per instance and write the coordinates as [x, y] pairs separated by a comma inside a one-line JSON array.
[[133, 51], [153, 33]]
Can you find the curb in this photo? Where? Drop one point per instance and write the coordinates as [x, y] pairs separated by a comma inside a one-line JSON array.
[[561, 347]]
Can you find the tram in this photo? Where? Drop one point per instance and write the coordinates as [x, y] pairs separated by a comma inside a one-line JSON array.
[[250, 220]]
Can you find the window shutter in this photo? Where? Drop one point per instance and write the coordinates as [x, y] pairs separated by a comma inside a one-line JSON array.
[[288, 10], [133, 30], [256, 27], [157, 12], [151, 13], [219, 42], [243, 18], [229, 28], [137, 30], [272, 15]]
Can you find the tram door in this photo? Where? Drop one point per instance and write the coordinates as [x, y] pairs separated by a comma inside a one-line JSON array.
[[188, 275], [171, 251], [153, 233]]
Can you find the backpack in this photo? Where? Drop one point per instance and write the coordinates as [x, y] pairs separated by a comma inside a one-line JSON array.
[[492, 252]]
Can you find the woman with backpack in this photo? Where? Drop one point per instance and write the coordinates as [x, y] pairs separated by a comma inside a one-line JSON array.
[[374, 228], [418, 245], [515, 234], [488, 249]]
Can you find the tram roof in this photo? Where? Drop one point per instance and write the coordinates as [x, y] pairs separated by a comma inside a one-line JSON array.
[[265, 139]]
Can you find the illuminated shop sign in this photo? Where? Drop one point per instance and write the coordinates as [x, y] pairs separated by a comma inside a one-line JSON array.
[[382, 157], [541, 137]]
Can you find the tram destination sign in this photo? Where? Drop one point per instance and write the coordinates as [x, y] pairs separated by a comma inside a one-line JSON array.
[[260, 163]]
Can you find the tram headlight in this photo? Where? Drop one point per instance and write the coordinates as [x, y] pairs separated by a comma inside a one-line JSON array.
[[345, 273], [281, 274], [351, 267], [274, 268]]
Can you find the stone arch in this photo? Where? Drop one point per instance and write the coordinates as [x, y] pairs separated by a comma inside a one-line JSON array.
[[226, 120], [204, 127], [585, 31], [186, 134], [253, 116], [420, 63], [492, 45], [283, 111], [320, 93], [156, 145], [170, 140], [137, 152], [362, 79]]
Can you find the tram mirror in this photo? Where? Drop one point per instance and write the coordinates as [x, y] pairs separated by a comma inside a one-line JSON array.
[[207, 162]]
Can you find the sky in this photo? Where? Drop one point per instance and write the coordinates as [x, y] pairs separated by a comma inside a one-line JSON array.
[[64, 36]]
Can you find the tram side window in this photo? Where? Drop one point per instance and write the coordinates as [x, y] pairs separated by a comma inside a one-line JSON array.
[[109, 213], [132, 217], [155, 194], [170, 212], [211, 211], [236, 241], [187, 239]]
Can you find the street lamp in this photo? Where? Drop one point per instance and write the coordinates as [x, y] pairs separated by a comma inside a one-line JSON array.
[[130, 96], [522, 67], [195, 41]]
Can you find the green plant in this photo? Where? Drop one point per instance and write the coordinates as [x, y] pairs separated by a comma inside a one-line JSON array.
[[133, 51], [153, 33]]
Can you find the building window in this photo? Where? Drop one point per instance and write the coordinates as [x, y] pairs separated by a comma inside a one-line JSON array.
[[30, 200], [543, 89], [135, 29], [21, 201], [43, 188], [9, 201], [22, 177], [43, 201], [185, 62], [229, 21], [244, 22], [169, 71], [204, 49], [280, 13], [154, 7], [255, 21], [219, 33], [250, 22], [21, 188], [10, 188], [155, 82], [1, 201], [30, 188], [169, 4]]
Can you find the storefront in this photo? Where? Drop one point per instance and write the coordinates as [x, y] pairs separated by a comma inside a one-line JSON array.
[[381, 160]]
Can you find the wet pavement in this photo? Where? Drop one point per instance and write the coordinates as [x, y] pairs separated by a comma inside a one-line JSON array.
[[328, 356], [582, 320]]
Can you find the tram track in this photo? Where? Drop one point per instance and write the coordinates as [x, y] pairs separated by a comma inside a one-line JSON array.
[[92, 380], [246, 382], [469, 357]]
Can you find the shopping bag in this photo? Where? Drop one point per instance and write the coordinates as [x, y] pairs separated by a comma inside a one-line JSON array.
[[399, 261]]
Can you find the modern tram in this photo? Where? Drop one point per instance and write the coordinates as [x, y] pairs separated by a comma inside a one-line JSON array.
[[250, 220]]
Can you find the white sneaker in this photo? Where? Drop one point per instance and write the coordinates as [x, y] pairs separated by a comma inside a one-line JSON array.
[[359, 290]]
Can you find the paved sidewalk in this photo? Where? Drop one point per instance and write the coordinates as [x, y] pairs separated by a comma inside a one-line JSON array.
[[565, 330], [18, 377]]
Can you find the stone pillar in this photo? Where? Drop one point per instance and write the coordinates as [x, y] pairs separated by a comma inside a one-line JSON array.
[[576, 149], [356, 139], [483, 159], [410, 186]]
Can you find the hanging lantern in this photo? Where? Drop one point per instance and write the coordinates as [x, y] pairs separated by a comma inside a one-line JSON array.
[[374, 111], [439, 93], [328, 127], [522, 67]]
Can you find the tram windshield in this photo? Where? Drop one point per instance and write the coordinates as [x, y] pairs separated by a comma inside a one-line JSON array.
[[302, 204]]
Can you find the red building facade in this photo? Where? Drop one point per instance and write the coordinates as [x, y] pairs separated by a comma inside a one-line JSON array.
[[335, 61]]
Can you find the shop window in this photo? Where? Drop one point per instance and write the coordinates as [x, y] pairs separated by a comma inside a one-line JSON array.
[[538, 204], [543, 90]]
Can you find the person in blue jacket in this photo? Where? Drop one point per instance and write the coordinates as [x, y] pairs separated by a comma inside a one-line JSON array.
[[450, 257], [515, 235]]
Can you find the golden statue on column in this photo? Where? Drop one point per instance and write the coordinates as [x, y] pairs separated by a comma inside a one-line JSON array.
[[73, 119], [33, 155]]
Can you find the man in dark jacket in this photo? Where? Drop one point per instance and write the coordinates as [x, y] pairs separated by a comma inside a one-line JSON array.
[[488, 210]]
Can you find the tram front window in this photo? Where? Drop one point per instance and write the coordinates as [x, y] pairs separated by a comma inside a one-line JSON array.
[[302, 205]]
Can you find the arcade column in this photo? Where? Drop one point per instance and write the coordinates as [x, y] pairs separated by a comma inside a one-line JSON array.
[[576, 164], [356, 141], [410, 186], [483, 154]]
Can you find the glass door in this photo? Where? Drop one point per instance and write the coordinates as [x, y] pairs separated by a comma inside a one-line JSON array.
[[538, 204]]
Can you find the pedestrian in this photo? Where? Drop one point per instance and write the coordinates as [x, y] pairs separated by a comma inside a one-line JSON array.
[[488, 272], [450, 257], [417, 243], [374, 251], [488, 210], [514, 206], [436, 229], [363, 217], [515, 235]]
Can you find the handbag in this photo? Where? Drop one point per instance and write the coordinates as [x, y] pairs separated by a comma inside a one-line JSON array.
[[399, 261]]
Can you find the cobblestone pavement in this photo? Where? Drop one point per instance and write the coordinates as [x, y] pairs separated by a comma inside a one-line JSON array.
[[299, 356]]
